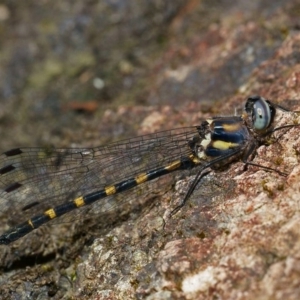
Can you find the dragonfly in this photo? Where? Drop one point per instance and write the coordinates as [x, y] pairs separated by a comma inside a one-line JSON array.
[[41, 185]]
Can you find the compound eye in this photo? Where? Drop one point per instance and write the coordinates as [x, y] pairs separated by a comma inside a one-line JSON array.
[[261, 111]]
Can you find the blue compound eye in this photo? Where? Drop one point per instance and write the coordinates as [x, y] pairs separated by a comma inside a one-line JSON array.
[[261, 111]]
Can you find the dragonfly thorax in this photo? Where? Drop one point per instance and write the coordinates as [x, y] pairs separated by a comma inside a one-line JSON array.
[[220, 136]]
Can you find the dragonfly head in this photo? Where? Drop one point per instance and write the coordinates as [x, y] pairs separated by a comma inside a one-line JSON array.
[[260, 113]]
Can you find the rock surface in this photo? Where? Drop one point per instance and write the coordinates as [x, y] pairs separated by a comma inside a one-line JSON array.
[[84, 74]]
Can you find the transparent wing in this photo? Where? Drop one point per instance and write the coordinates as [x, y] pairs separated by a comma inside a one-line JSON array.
[[33, 180]]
